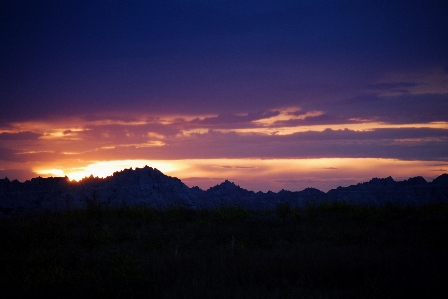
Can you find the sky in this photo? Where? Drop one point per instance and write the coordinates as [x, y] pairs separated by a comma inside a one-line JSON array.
[[268, 94]]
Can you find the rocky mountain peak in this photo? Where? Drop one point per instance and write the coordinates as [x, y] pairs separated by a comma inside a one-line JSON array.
[[382, 182], [442, 180], [150, 187], [418, 180], [226, 186]]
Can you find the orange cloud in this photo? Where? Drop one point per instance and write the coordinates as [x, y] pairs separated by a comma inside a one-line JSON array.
[[264, 150]]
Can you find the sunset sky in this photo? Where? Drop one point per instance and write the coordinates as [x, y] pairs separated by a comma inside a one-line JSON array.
[[268, 94]]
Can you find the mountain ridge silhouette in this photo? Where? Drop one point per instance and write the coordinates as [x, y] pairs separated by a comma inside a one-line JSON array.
[[148, 186]]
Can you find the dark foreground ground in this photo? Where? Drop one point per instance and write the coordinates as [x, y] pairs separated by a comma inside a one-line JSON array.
[[327, 251]]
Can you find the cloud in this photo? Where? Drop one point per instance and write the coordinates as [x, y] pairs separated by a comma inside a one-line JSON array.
[[322, 119], [396, 109], [391, 85], [408, 143], [114, 118], [233, 167], [17, 174], [197, 57], [439, 164], [20, 136], [226, 135], [230, 118], [7, 154], [419, 144], [374, 135]]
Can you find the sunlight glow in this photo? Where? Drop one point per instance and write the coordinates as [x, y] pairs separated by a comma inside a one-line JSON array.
[[107, 168], [80, 147], [266, 174], [51, 172]]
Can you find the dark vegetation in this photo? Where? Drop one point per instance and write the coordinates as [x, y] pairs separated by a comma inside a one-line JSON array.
[[326, 251]]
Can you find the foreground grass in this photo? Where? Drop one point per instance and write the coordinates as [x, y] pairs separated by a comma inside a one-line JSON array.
[[325, 251]]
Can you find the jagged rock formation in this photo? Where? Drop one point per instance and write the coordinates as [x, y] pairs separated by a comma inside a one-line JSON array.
[[144, 186], [415, 191], [227, 193], [149, 187]]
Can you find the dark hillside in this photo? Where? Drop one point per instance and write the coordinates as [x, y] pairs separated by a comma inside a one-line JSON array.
[[331, 250]]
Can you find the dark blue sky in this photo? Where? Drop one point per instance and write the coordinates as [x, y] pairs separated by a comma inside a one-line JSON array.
[[209, 56], [179, 68]]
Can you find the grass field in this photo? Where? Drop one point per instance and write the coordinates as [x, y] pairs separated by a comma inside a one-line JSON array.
[[326, 251]]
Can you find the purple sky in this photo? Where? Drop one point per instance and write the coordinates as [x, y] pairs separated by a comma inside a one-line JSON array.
[[207, 86]]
